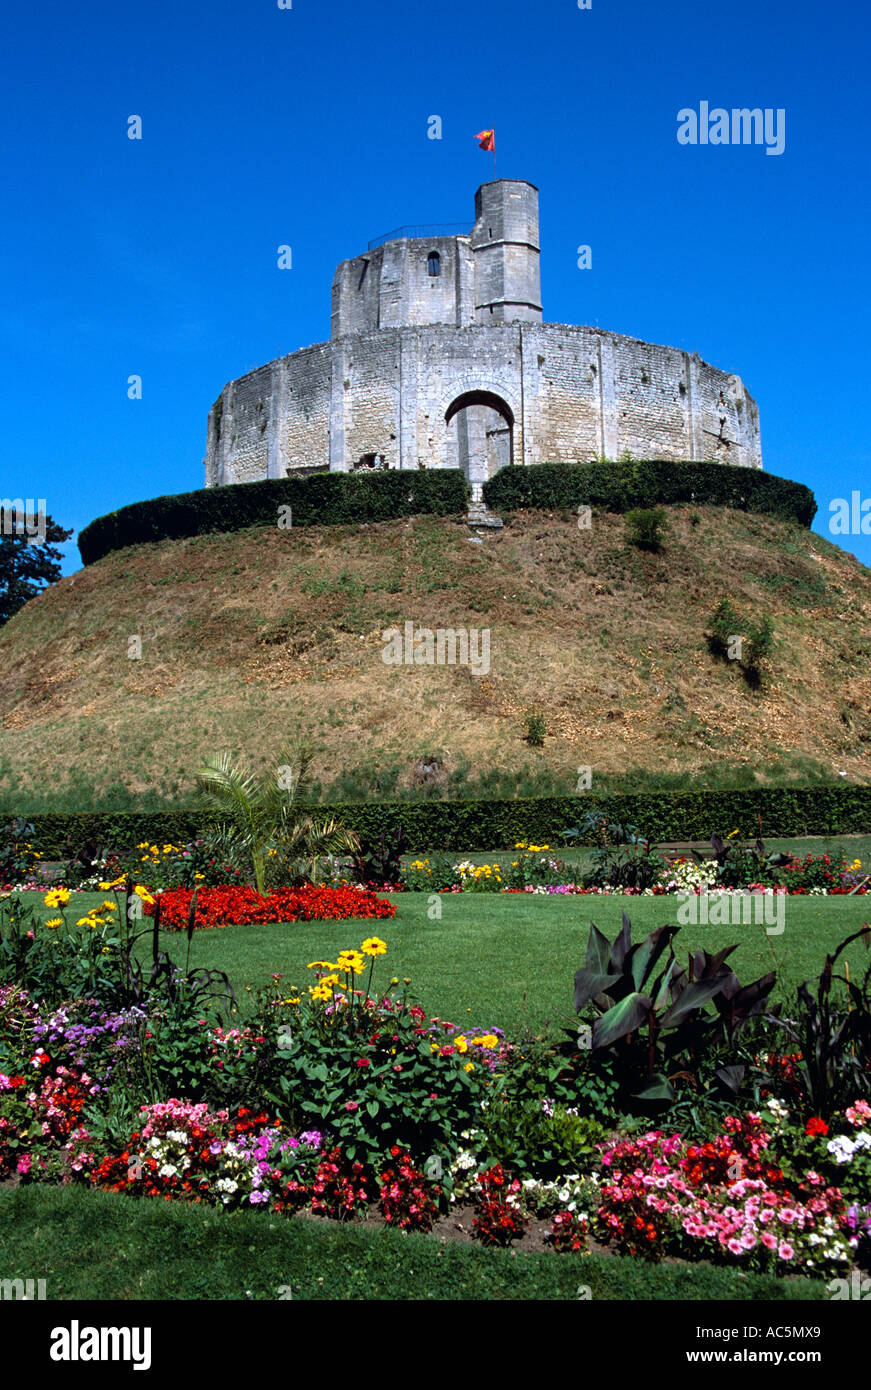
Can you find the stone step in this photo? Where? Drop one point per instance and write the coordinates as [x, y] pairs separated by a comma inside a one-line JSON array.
[[480, 515]]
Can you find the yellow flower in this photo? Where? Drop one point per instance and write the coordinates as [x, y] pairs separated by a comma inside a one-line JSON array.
[[57, 897], [116, 883], [351, 961], [319, 992], [143, 893], [55, 922], [107, 906], [373, 946], [85, 922], [199, 875], [319, 964], [470, 1066], [461, 1044]]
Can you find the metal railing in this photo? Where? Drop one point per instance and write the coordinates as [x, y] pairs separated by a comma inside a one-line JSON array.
[[430, 229]]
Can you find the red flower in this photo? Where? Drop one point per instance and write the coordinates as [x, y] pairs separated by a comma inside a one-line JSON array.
[[816, 1126], [231, 904]]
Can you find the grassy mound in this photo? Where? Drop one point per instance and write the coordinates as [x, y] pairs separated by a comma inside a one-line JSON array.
[[247, 636]]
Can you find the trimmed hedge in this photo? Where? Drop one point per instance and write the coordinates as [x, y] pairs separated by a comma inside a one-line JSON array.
[[324, 499], [618, 487], [490, 825]]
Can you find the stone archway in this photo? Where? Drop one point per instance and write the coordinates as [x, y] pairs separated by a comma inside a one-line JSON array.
[[480, 436]]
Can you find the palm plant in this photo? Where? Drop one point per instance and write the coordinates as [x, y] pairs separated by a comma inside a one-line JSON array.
[[263, 822]]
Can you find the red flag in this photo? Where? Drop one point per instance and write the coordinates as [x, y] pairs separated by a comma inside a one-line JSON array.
[[486, 140]]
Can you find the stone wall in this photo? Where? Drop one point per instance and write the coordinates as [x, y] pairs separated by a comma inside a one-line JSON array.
[[390, 399]]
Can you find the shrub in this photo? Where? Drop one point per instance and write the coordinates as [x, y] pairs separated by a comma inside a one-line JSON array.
[[825, 809], [760, 640], [646, 528], [326, 499], [725, 625], [535, 728], [618, 487], [755, 640]]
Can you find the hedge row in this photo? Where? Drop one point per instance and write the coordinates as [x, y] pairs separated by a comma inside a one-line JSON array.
[[490, 825], [618, 487], [324, 499]]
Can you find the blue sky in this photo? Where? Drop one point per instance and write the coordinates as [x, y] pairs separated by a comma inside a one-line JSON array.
[[308, 127]]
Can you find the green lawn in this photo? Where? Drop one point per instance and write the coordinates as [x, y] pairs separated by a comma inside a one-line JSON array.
[[508, 961], [148, 1249]]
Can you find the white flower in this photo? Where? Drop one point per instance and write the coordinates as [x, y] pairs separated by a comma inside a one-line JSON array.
[[841, 1148], [168, 1170]]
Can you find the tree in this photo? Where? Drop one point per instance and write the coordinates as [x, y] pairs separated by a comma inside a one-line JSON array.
[[27, 565], [264, 825]]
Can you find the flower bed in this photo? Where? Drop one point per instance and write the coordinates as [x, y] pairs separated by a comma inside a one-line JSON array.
[[536, 871], [231, 906], [346, 1100]]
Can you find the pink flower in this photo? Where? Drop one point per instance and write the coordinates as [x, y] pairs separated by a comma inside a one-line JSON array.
[[785, 1251], [351, 1106], [857, 1114], [769, 1240]]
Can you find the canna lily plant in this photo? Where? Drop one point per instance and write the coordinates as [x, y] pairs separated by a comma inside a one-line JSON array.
[[263, 821], [640, 993]]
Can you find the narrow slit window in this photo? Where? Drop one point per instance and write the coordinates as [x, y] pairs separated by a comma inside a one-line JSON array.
[[434, 263]]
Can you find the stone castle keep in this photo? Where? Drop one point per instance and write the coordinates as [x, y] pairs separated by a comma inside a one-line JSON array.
[[438, 358]]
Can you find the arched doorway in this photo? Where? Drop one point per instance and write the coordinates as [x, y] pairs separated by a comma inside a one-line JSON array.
[[480, 427]]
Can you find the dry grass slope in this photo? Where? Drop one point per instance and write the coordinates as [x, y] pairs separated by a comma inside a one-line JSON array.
[[250, 636]]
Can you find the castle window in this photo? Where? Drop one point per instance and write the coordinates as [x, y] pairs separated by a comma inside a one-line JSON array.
[[434, 263]]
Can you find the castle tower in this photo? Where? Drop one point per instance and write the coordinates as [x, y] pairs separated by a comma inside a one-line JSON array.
[[506, 250]]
